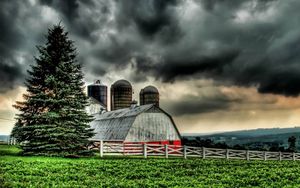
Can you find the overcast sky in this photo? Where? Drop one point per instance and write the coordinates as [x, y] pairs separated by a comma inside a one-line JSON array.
[[219, 65]]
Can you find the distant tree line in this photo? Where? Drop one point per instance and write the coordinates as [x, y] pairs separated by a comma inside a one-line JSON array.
[[272, 146]]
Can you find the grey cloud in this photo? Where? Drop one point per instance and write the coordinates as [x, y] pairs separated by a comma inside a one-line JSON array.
[[82, 17], [189, 105], [249, 57], [208, 99], [246, 43], [11, 39], [68, 7], [185, 67], [213, 97], [152, 18], [10, 76]]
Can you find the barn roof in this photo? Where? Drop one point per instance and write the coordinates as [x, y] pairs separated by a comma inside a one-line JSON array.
[[92, 100], [125, 112], [115, 125]]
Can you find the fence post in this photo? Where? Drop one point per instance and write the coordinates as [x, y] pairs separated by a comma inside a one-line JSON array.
[[184, 151], [247, 155], [166, 150], [101, 148], [227, 154], [280, 157], [203, 152], [265, 155], [294, 157], [145, 150]]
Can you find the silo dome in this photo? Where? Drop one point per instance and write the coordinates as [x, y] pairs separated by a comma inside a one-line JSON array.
[[122, 83], [121, 95], [150, 89], [149, 95]]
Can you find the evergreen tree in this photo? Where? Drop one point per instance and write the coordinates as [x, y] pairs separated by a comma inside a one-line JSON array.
[[53, 120]]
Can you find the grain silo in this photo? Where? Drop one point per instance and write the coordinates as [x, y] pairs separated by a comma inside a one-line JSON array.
[[149, 95], [99, 92], [121, 95]]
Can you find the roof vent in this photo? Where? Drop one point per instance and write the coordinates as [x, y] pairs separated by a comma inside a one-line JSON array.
[[102, 110], [97, 82], [133, 104]]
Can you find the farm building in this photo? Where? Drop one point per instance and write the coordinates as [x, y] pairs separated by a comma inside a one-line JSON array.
[[149, 95], [120, 95], [94, 106], [98, 91], [142, 124]]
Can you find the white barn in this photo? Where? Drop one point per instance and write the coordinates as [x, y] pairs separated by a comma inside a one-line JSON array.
[[94, 106], [146, 123]]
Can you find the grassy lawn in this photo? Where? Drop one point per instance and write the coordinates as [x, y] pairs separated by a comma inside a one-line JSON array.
[[18, 171]]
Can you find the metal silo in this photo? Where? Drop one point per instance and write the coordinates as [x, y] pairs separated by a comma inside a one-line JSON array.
[[149, 95], [99, 92], [121, 95]]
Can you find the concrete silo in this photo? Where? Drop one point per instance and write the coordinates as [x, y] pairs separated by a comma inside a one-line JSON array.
[[99, 92], [149, 95], [121, 95]]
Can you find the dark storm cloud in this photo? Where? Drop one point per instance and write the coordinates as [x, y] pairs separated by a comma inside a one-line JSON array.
[[190, 105], [187, 66], [211, 5], [248, 43], [150, 17], [117, 52], [285, 82], [82, 17], [10, 76], [11, 38], [68, 7], [245, 43], [126, 29], [212, 97]]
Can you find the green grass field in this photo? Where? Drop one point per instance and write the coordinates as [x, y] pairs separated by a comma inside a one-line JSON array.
[[18, 171]]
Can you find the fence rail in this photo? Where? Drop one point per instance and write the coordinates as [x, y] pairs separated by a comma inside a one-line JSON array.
[[145, 150]]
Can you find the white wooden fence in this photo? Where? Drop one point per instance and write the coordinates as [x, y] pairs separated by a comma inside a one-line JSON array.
[[145, 150]]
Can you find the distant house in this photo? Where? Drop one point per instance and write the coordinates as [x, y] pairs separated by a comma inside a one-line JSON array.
[[142, 124]]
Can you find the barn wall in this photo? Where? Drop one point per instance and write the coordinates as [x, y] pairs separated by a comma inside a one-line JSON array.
[[152, 127], [93, 108]]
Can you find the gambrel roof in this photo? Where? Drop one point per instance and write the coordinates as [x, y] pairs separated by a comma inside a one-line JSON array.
[[125, 112], [115, 125]]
